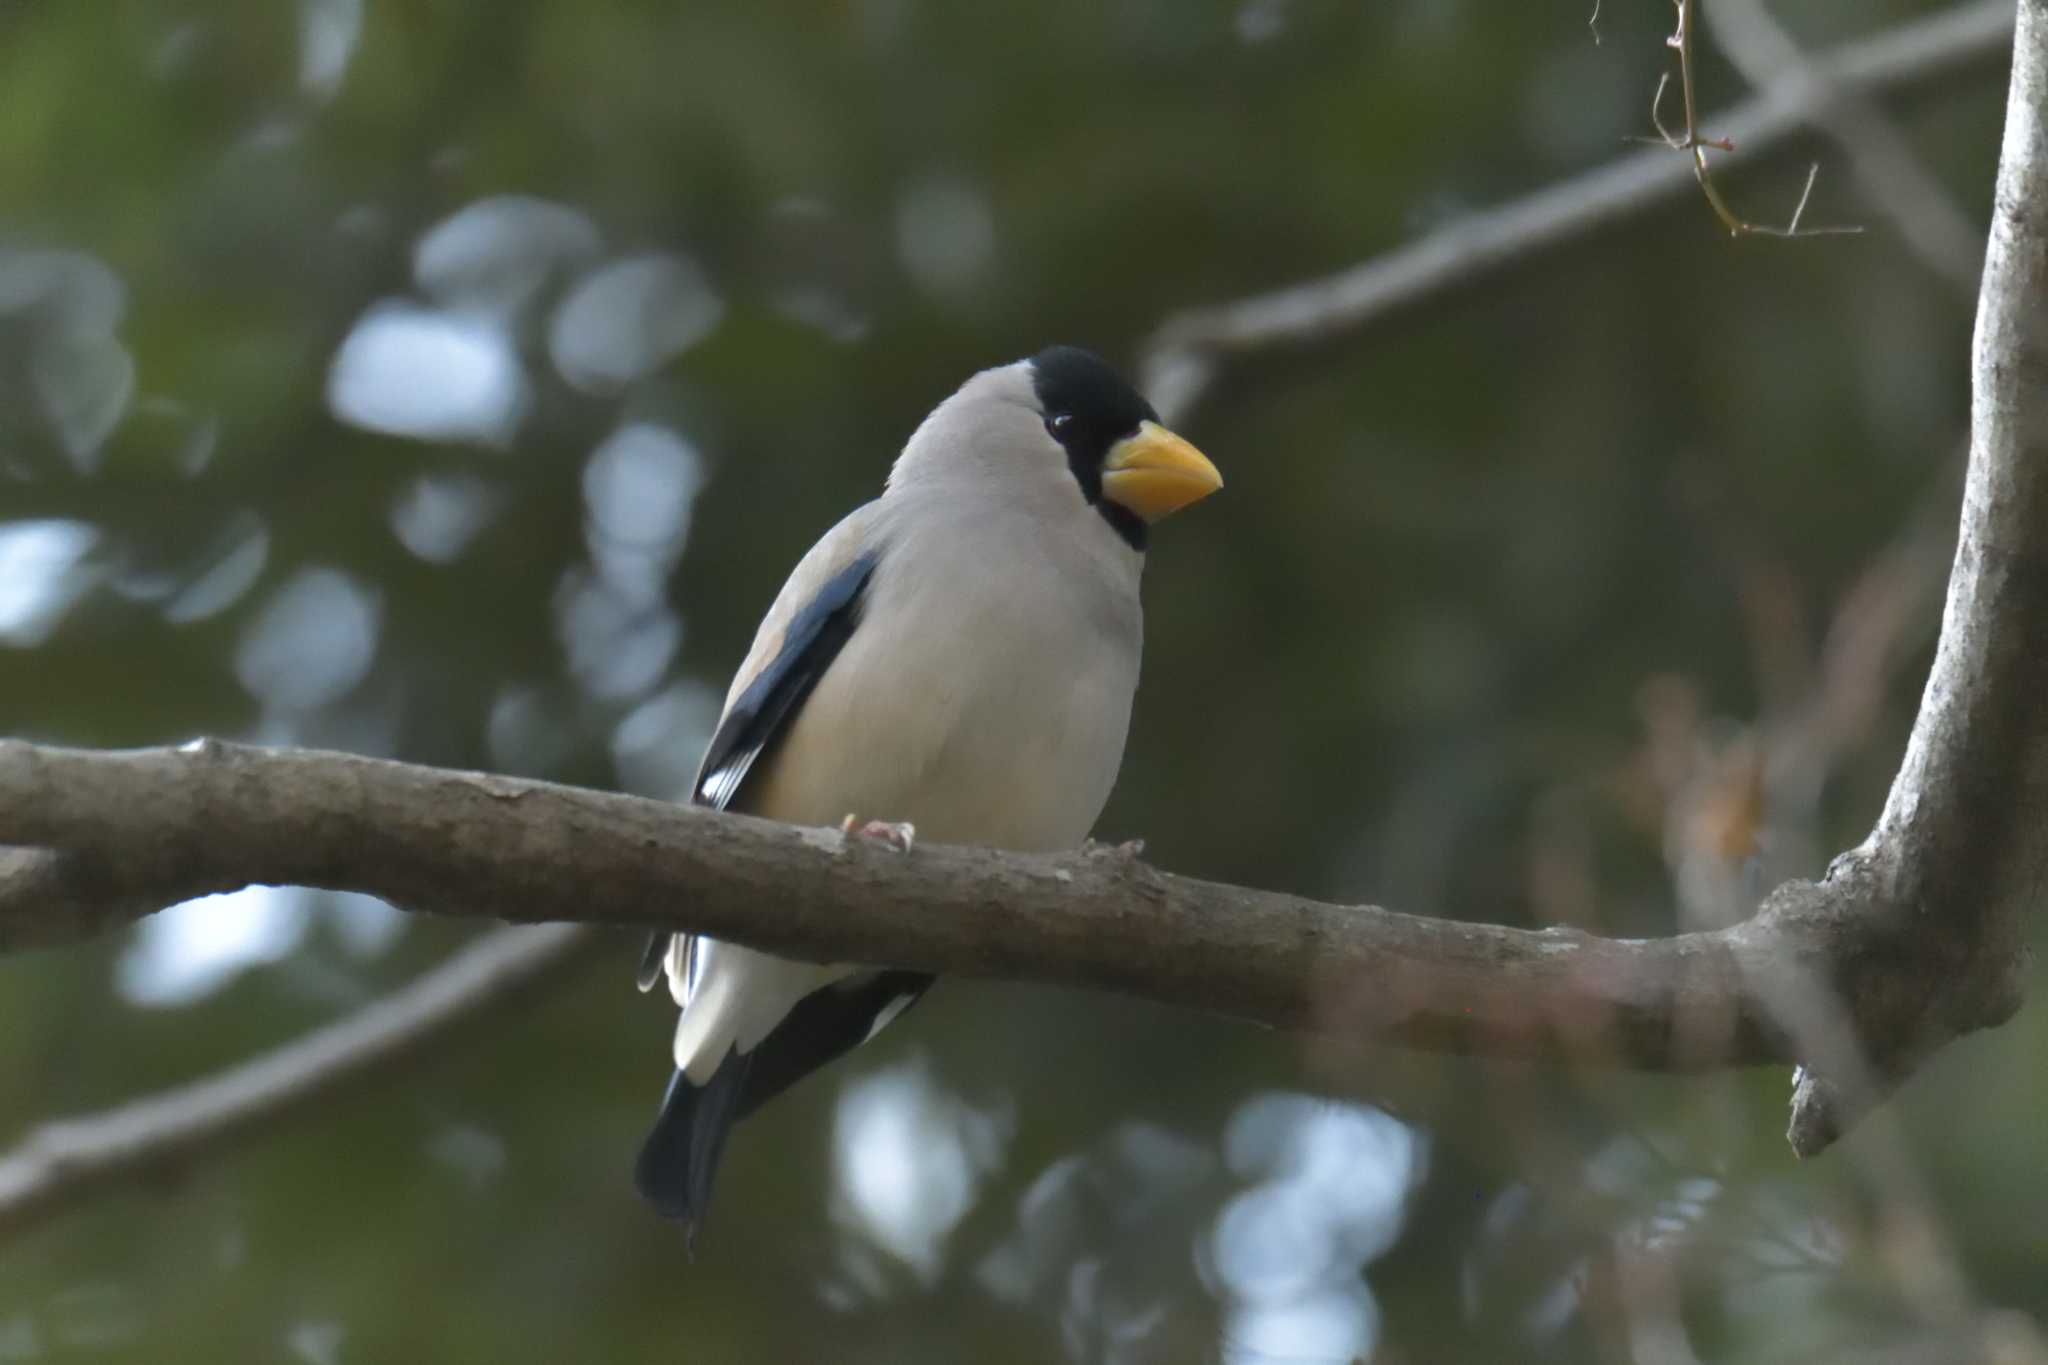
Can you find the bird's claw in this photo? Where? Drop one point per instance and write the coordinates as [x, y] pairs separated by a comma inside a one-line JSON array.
[[897, 836], [1130, 849]]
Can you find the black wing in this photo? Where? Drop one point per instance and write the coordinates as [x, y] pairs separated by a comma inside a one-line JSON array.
[[760, 715], [679, 1159], [826, 1025]]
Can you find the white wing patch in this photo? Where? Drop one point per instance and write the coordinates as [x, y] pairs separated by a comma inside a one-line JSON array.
[[722, 783], [733, 998], [888, 1014], [682, 967]]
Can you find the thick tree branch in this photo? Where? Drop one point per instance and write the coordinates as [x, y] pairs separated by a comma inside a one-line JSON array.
[[49, 898], [211, 817], [1184, 352], [64, 1160], [1959, 857]]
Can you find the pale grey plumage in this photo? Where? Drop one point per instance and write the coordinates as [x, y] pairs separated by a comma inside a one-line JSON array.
[[959, 655], [984, 698]]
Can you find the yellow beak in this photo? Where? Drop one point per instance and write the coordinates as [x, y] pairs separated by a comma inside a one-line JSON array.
[[1155, 473]]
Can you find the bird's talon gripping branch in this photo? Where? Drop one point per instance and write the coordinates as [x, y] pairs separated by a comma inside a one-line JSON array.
[[899, 836]]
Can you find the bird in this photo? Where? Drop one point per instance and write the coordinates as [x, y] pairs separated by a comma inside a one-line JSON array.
[[956, 660]]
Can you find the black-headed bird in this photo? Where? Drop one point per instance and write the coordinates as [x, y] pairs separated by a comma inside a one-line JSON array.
[[956, 657]]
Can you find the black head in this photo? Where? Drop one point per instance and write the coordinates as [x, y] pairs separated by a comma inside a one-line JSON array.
[[1088, 408]]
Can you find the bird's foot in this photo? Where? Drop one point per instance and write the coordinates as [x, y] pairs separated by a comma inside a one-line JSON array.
[[1130, 849], [899, 837]]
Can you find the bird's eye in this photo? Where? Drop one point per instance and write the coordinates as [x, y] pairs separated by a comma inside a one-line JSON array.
[[1060, 425]]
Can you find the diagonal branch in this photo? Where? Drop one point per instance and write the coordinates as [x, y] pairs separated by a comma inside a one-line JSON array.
[[1181, 359], [1962, 846], [1930, 222], [1695, 145], [61, 1161]]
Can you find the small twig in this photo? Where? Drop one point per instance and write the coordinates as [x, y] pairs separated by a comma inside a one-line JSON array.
[[1792, 228], [1189, 351], [1664, 134], [63, 1161], [1799, 209], [1697, 146], [1681, 40], [1929, 221]]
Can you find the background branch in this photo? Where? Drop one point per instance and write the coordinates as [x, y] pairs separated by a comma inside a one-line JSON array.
[[67, 1159], [1181, 358], [1930, 222]]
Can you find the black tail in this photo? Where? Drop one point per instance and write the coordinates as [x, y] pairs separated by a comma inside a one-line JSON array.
[[680, 1157]]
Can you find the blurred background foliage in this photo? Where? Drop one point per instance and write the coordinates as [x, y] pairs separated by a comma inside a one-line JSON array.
[[457, 380]]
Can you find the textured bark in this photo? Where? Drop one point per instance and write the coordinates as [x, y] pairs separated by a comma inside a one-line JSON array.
[[1959, 858], [212, 817]]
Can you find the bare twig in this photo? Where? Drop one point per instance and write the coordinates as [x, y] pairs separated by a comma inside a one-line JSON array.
[[1182, 356], [1680, 42], [1930, 222], [1664, 133], [1695, 144], [62, 1161]]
